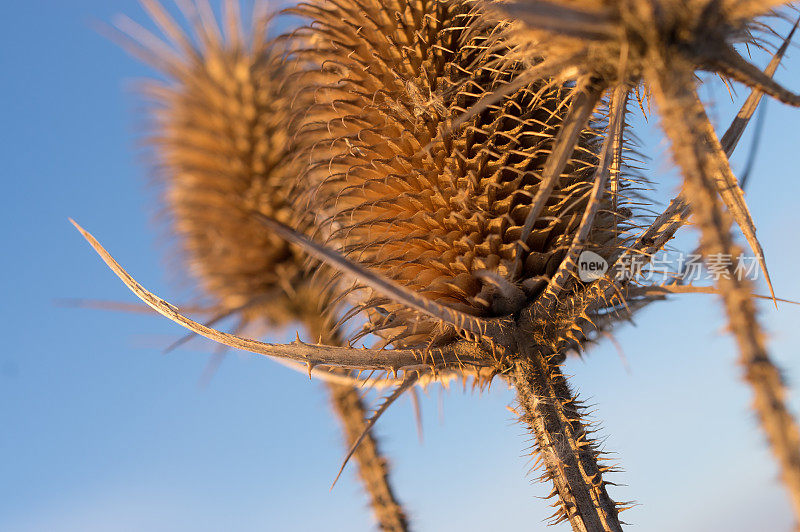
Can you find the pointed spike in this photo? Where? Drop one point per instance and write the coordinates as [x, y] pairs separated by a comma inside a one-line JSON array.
[[731, 64], [409, 381], [734, 132]]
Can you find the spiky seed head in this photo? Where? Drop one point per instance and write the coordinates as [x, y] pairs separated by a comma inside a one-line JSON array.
[[401, 187], [223, 138]]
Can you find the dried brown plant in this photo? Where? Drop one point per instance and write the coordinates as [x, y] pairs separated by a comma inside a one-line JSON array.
[[460, 156]]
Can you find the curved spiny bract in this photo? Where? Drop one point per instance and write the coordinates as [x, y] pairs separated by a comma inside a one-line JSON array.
[[222, 133], [476, 214], [659, 45]]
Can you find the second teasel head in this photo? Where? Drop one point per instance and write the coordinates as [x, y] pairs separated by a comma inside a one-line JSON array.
[[222, 134]]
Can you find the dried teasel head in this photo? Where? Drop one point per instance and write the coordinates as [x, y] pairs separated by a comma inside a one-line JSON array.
[[222, 135], [463, 218], [406, 186]]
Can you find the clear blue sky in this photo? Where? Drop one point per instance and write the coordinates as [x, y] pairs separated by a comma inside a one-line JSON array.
[[100, 432]]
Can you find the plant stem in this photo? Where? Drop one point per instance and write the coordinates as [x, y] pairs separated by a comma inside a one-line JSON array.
[[553, 414], [373, 468]]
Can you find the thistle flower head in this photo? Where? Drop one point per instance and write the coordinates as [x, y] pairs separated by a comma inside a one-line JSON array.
[[403, 185]]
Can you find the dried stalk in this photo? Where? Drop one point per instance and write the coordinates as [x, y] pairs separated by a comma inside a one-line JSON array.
[[373, 468], [553, 414], [682, 117]]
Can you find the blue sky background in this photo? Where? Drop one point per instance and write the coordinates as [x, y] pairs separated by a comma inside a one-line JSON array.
[[101, 432]]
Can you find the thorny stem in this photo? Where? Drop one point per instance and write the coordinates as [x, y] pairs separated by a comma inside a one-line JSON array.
[[683, 117], [373, 468], [553, 414]]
